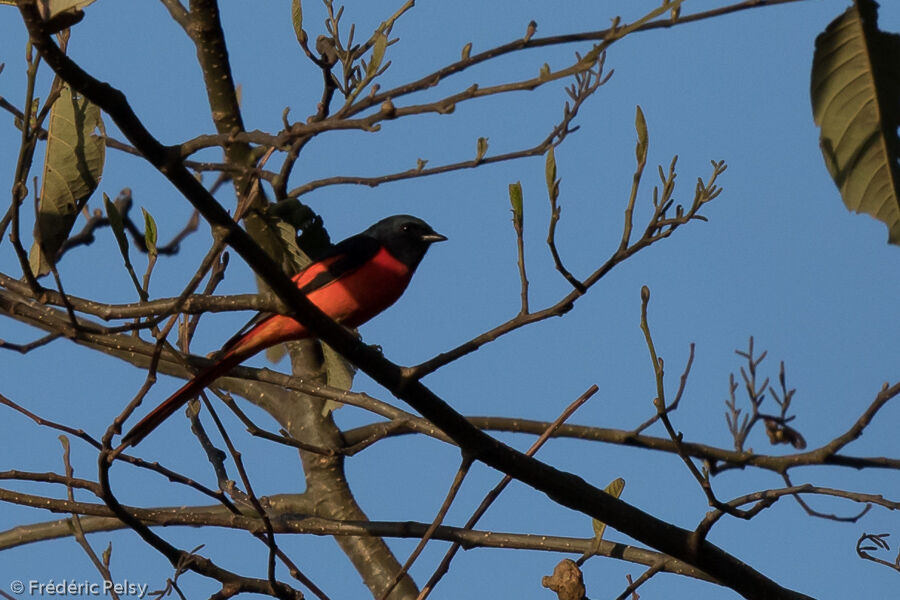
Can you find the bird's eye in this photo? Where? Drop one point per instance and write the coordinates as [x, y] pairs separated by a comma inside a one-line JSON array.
[[406, 227]]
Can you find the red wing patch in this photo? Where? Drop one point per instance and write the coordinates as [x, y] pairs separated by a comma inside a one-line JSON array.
[[340, 260]]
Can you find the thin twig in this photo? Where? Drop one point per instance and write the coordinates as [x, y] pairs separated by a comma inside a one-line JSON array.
[[644, 578], [435, 523], [444, 566], [101, 566]]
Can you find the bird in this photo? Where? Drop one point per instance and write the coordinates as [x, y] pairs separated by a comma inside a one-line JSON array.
[[352, 282]]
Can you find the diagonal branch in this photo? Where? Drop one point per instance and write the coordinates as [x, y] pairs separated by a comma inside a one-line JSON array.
[[564, 488]]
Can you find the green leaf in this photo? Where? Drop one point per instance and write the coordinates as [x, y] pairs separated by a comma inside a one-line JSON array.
[[276, 229], [276, 353], [614, 489], [73, 165], [288, 217], [550, 168], [287, 235], [550, 174], [855, 90], [118, 226], [297, 20], [35, 107], [61, 14], [338, 373], [149, 232], [515, 199], [640, 124], [377, 54], [481, 148], [51, 8]]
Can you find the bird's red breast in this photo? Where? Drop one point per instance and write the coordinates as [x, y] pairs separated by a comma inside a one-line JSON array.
[[351, 299]]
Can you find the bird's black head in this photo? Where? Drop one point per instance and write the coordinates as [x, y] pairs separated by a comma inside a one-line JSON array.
[[407, 238]]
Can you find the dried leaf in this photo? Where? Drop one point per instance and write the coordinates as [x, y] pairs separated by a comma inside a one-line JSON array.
[[544, 74], [567, 581], [481, 148], [467, 49], [297, 20]]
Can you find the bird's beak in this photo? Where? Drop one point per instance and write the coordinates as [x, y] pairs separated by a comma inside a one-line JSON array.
[[433, 237]]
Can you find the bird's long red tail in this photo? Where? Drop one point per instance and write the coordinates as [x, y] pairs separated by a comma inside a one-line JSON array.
[[189, 390]]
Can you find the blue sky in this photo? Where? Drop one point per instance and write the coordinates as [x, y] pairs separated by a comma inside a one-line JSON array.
[[780, 259]]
